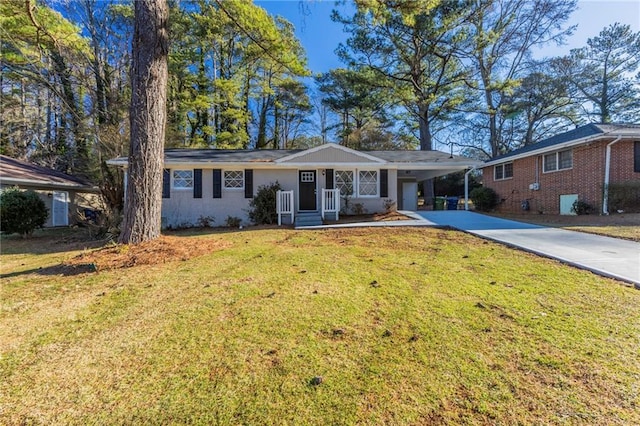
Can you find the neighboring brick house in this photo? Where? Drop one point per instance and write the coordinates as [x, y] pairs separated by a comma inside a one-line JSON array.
[[547, 177]]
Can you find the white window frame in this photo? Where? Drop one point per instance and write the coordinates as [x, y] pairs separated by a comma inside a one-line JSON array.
[[307, 176], [377, 174], [339, 185], [174, 180], [556, 157], [503, 168], [232, 188]]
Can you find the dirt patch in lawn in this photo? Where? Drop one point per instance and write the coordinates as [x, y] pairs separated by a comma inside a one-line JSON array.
[[161, 250]]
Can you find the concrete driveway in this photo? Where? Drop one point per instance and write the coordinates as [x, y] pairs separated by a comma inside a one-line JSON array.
[[610, 257]]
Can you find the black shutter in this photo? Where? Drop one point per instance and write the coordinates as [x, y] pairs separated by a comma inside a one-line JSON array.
[[384, 183], [217, 183], [248, 183], [197, 183], [166, 183], [636, 156], [329, 179]]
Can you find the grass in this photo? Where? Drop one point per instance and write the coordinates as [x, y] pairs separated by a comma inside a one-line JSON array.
[[404, 326]]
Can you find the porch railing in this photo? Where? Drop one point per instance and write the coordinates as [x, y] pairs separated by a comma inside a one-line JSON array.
[[330, 202], [284, 205]]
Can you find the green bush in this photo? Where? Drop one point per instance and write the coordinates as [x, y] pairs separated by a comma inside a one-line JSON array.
[[262, 208], [21, 212], [233, 221], [580, 207], [484, 199], [624, 196]]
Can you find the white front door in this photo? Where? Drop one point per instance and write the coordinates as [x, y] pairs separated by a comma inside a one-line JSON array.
[[566, 204], [409, 195], [60, 208]]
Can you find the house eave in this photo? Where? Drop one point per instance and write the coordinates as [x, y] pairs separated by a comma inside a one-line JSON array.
[[318, 165], [557, 147], [48, 184]]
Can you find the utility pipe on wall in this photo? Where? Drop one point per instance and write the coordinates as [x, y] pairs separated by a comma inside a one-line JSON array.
[[607, 169], [466, 187]]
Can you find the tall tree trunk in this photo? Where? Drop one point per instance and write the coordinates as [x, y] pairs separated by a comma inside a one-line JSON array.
[[148, 116], [426, 144], [276, 126], [262, 123]]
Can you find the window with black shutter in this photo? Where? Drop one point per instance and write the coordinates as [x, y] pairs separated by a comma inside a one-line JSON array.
[[248, 183], [328, 178], [636, 156], [166, 183], [217, 183], [197, 183], [384, 183]]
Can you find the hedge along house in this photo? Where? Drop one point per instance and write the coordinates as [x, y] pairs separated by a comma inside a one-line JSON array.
[[201, 183], [63, 195], [594, 163]]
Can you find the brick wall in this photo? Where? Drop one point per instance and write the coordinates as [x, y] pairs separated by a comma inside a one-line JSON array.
[[585, 178]]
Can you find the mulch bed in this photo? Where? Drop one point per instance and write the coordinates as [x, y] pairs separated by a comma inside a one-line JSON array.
[[158, 251]]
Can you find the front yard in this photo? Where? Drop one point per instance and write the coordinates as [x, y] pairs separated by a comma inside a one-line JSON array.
[[343, 326]]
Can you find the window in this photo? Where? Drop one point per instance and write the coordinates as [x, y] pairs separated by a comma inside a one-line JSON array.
[[307, 177], [182, 179], [344, 181], [367, 183], [636, 156], [233, 179], [560, 160], [503, 171]]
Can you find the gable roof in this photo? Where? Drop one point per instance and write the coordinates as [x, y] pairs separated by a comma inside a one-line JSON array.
[[277, 158], [17, 172], [577, 136], [328, 152]]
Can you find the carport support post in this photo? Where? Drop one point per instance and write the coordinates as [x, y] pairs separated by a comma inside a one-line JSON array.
[[466, 187]]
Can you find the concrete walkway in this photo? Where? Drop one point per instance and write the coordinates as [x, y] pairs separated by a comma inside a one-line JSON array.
[[610, 257]]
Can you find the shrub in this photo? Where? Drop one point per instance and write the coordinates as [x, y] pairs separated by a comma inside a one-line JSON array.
[[101, 225], [262, 208], [389, 205], [21, 212], [624, 196], [206, 221], [580, 207], [358, 209], [233, 222], [484, 199]]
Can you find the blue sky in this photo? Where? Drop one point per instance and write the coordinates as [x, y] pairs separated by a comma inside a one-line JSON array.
[[320, 36]]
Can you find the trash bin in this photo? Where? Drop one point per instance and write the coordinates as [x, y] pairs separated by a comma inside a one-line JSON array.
[[438, 203], [452, 203]]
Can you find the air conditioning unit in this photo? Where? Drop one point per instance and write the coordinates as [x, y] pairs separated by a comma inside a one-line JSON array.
[[534, 186]]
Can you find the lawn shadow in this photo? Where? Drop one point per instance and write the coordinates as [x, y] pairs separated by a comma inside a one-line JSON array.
[[61, 269], [48, 241]]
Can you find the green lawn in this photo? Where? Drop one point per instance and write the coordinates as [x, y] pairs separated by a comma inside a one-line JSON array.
[[404, 326]]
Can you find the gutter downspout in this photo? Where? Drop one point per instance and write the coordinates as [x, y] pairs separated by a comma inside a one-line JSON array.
[[607, 169], [466, 187]]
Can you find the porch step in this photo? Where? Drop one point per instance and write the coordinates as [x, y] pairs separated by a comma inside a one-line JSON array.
[[308, 219]]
